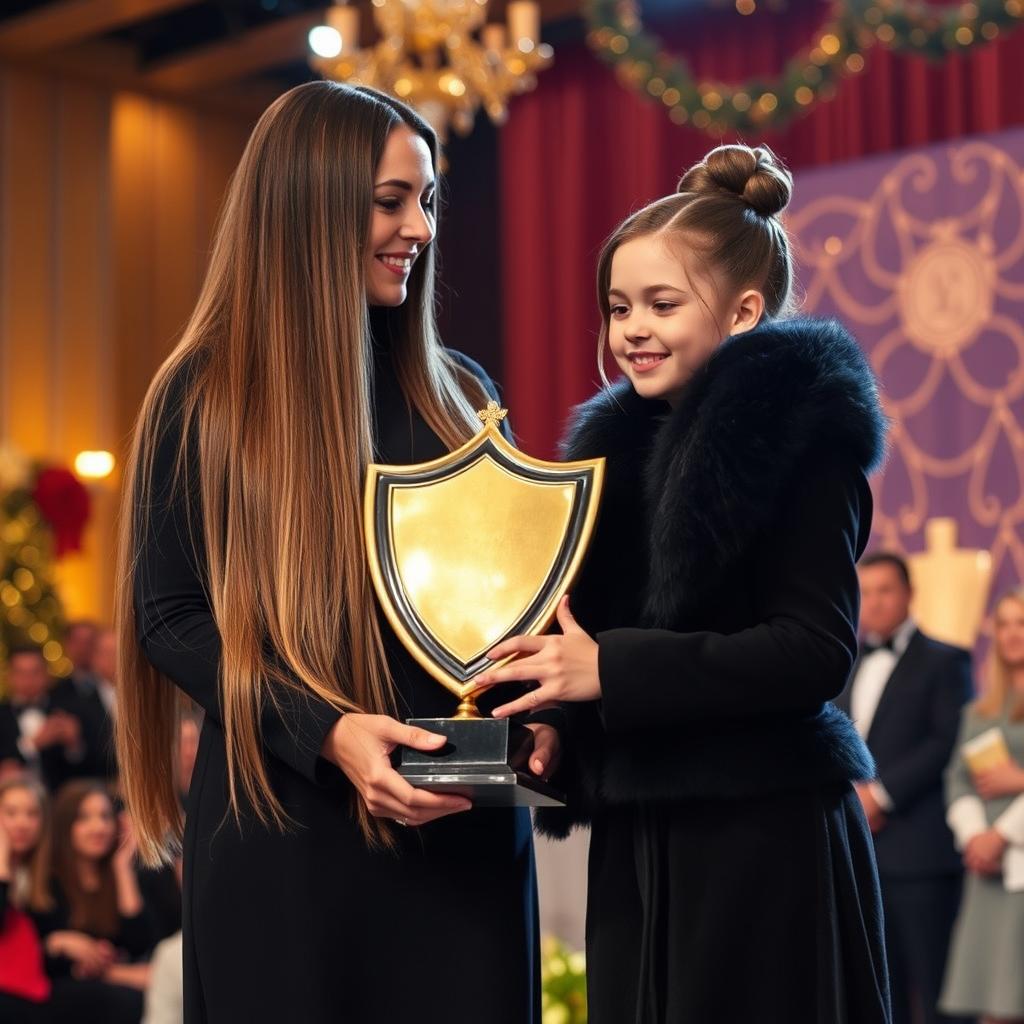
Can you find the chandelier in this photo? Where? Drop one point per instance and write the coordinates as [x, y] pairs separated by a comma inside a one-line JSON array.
[[440, 56]]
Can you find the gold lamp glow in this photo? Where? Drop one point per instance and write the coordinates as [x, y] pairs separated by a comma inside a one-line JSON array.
[[440, 56], [94, 465]]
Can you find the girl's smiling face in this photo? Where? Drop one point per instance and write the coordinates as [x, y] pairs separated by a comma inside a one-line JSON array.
[[667, 316]]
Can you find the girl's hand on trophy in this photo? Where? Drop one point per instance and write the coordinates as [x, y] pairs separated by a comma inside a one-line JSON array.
[[361, 745], [565, 667], [547, 749]]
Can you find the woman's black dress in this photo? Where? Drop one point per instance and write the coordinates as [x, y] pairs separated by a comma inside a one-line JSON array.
[[732, 876], [310, 925]]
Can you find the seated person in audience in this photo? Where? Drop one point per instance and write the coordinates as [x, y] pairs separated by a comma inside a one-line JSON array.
[[24, 986], [96, 928], [91, 686], [104, 669], [985, 974], [40, 729], [79, 642]]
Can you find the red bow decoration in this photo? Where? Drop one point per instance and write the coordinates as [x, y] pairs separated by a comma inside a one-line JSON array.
[[64, 504]]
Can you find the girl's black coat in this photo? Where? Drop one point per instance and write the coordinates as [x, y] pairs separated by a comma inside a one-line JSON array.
[[721, 584]]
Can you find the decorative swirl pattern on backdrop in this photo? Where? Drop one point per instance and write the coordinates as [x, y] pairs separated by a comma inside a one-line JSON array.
[[922, 256]]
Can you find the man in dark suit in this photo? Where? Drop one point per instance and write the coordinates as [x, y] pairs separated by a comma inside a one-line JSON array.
[[905, 696], [91, 687], [39, 729]]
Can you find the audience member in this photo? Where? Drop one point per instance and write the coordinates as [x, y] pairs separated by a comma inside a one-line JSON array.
[[985, 792], [24, 986], [96, 928], [905, 697], [40, 729]]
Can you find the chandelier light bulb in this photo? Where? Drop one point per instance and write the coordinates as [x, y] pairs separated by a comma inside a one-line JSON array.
[[325, 41], [443, 57]]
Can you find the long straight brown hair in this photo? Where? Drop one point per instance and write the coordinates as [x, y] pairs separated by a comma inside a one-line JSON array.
[[277, 405], [94, 912]]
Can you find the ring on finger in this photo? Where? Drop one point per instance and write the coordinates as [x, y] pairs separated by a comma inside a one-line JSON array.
[[404, 822]]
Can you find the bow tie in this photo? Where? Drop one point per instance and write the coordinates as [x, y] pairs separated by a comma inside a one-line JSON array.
[[867, 648]]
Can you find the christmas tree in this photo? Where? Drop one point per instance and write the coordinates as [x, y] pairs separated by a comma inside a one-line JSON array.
[[43, 510]]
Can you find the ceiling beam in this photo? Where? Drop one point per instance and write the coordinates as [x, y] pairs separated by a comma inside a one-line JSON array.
[[61, 23], [112, 65], [268, 46]]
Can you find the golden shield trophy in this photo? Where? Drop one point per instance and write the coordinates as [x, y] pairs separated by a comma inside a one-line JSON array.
[[465, 552]]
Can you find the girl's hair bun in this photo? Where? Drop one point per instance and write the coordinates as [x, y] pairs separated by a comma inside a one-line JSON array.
[[753, 175]]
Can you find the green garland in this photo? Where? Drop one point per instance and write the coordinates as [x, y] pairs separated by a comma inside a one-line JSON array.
[[934, 31], [813, 74]]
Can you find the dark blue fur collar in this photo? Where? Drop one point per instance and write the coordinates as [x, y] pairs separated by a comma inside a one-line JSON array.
[[714, 469]]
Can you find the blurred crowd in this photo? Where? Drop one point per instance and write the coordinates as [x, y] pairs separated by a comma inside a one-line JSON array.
[[88, 934]]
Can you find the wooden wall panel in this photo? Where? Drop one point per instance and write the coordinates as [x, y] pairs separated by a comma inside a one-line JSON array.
[[80, 399], [221, 143], [107, 202], [134, 258], [180, 252], [28, 211]]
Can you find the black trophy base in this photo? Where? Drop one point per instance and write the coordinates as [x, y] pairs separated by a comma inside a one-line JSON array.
[[485, 759]]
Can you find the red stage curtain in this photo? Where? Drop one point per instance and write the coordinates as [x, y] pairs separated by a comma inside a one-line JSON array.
[[582, 152]]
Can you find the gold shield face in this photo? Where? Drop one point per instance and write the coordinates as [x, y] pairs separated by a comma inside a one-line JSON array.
[[476, 547]]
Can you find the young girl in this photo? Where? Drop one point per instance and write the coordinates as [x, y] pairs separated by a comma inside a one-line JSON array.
[[24, 987], [318, 884], [96, 924], [731, 872], [986, 813]]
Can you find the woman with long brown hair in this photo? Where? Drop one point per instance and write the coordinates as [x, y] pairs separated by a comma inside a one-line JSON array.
[[93, 923], [319, 885]]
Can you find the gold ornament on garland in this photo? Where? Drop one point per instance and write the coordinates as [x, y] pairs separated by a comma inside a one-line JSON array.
[[813, 74], [934, 31]]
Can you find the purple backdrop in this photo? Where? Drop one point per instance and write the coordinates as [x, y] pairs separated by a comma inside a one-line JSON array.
[[921, 254]]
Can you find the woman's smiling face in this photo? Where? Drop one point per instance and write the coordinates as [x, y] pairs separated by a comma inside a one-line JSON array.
[[403, 221], [94, 831]]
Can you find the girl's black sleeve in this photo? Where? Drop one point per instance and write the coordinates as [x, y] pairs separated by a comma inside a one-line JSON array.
[[797, 656]]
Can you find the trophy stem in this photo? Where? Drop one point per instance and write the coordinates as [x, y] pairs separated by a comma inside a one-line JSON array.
[[467, 709]]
